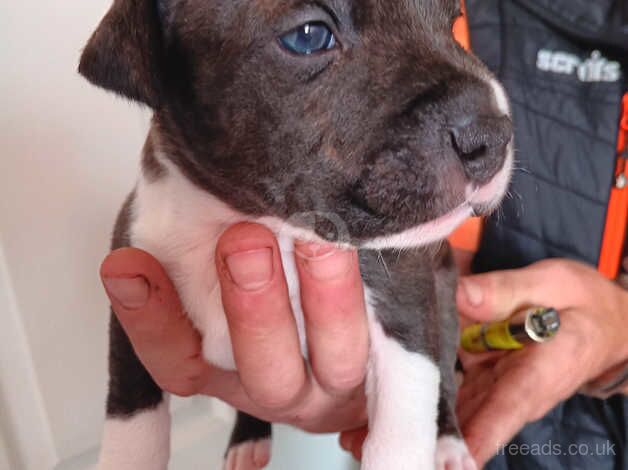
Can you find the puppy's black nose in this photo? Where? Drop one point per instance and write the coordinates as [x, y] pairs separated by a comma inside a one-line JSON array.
[[481, 143]]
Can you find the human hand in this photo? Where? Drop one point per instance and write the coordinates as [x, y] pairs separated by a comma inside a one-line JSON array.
[[612, 382], [515, 388], [273, 381]]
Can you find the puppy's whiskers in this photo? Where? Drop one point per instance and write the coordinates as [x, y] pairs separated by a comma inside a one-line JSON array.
[[383, 262]]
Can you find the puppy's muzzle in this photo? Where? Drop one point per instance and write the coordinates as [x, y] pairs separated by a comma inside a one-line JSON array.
[[480, 143]]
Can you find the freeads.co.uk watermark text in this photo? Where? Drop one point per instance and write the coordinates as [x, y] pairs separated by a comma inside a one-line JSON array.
[[554, 448]]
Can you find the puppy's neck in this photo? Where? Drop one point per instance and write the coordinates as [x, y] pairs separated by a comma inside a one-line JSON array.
[[168, 144], [178, 194], [168, 168]]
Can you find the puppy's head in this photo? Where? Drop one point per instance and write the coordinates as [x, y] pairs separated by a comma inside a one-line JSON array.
[[367, 109]]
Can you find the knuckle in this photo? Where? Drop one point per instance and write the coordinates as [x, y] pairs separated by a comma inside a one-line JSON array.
[[180, 389], [187, 385], [502, 291], [261, 312], [558, 268], [275, 403], [307, 418], [342, 379], [537, 375], [276, 399]]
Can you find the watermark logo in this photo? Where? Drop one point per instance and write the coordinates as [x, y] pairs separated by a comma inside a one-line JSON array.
[[596, 68], [315, 225]]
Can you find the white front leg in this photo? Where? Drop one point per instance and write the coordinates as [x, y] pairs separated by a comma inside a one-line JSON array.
[[139, 442], [402, 390]]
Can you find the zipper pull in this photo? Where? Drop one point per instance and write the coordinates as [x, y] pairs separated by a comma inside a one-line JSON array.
[[621, 173], [622, 180]]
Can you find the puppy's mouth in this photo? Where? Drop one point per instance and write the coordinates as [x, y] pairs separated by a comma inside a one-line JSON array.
[[485, 199], [426, 233], [479, 201]]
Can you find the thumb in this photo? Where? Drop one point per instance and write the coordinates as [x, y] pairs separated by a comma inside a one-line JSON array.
[[147, 305], [140, 292], [505, 410], [497, 295]]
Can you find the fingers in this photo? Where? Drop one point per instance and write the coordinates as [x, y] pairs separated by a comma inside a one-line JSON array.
[[609, 383], [463, 259], [332, 298], [272, 380], [472, 394], [497, 295], [262, 327], [353, 441], [467, 410], [470, 360], [147, 305], [503, 411]]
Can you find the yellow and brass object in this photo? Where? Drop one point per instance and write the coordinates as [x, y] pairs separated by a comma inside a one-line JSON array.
[[534, 325]]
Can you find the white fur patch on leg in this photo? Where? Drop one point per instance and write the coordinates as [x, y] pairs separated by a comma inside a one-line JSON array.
[[402, 390], [141, 442], [452, 454], [250, 455]]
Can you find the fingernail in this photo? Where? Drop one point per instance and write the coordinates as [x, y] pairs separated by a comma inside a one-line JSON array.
[[324, 262], [251, 270], [132, 293], [473, 292]]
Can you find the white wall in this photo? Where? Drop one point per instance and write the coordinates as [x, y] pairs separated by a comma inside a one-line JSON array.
[[68, 157]]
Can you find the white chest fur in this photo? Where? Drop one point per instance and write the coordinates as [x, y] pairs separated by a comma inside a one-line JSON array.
[[180, 225]]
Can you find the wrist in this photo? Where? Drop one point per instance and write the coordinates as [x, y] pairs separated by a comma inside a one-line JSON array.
[[623, 318], [612, 374], [613, 381], [618, 327]]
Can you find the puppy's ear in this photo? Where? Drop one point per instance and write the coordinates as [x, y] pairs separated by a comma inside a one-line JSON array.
[[125, 54]]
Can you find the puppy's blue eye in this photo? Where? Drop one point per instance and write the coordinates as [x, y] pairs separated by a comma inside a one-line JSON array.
[[309, 38]]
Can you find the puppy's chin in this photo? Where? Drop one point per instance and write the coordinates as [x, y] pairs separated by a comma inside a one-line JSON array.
[[480, 201], [424, 234], [485, 199]]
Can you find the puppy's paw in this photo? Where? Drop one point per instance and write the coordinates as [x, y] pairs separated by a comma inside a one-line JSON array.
[[249, 455], [452, 454]]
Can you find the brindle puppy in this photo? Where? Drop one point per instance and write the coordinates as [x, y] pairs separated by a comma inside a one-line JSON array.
[[360, 123]]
